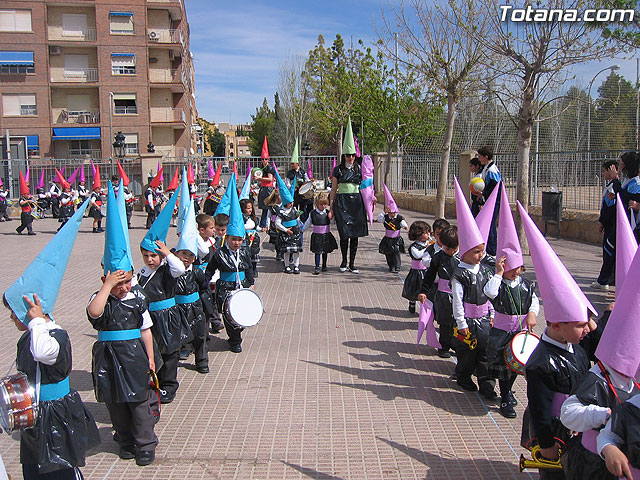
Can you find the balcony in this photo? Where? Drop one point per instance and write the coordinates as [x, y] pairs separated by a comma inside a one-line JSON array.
[[75, 75], [90, 116], [165, 36], [167, 115], [81, 35], [157, 75], [169, 151]]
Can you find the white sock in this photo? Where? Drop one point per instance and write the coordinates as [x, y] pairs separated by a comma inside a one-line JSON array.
[[286, 260], [296, 259]]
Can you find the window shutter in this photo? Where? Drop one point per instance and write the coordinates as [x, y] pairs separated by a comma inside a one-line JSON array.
[[10, 105], [23, 20]]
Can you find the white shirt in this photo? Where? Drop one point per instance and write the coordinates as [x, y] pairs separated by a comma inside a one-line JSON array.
[[380, 219], [279, 224], [565, 346], [579, 417], [607, 437], [176, 267], [457, 293], [44, 347]]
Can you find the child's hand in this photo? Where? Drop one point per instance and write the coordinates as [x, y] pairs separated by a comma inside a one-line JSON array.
[[422, 297], [162, 248], [500, 265], [289, 231], [616, 461], [531, 321], [113, 279], [35, 308], [152, 365]]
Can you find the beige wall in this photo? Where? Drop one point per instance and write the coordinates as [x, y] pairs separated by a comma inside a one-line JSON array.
[[59, 100], [161, 98], [160, 71], [162, 138], [54, 21], [158, 21]]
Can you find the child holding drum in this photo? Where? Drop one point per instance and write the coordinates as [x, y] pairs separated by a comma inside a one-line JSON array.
[[54, 442], [516, 307], [236, 271]]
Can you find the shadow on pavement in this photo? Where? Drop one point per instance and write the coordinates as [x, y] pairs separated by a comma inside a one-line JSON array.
[[311, 473]]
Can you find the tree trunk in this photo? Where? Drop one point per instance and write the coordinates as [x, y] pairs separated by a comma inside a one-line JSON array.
[[525, 132], [339, 150], [387, 166], [441, 194]]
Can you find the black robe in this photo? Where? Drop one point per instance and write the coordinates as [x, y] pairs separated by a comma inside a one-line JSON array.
[[222, 261], [348, 208], [322, 242], [442, 266], [65, 429], [390, 245]]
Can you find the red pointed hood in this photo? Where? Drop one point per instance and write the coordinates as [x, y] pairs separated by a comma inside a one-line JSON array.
[[173, 185], [122, 174], [265, 148], [155, 183], [24, 188]]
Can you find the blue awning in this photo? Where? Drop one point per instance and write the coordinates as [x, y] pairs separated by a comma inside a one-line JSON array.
[[123, 54], [121, 14], [71, 133], [16, 58], [33, 142]]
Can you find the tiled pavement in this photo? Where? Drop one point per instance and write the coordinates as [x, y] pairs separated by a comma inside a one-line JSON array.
[[331, 384]]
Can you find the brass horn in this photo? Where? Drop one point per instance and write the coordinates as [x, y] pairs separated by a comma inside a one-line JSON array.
[[538, 461]]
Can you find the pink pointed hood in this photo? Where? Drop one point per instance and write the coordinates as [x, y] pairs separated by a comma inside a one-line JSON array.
[[483, 219], [41, 180], [468, 233], [82, 177], [508, 242], [618, 346], [561, 296], [626, 245], [389, 202]]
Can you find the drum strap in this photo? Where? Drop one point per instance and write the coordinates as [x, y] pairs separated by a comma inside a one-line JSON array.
[[606, 376], [236, 261]]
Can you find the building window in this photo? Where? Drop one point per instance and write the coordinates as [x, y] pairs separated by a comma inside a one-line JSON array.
[[121, 23], [131, 143], [80, 147], [125, 104], [15, 20], [74, 25], [14, 105], [16, 62], [123, 64]]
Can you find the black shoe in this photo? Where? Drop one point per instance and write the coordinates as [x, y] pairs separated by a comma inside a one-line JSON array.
[[184, 354], [390, 270], [145, 458], [127, 453], [296, 271], [18, 231], [278, 258], [467, 384], [324, 269], [512, 399], [396, 269], [236, 348], [164, 399], [217, 326], [316, 271], [488, 393], [343, 267], [353, 269], [100, 229], [31, 233], [255, 274], [507, 411], [412, 308], [203, 369], [95, 230], [287, 270], [442, 353]]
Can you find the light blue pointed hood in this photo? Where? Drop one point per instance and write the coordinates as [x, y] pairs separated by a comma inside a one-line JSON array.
[[286, 194], [225, 201], [236, 221], [44, 274], [160, 227], [185, 198], [189, 236], [244, 194], [122, 213], [117, 250]]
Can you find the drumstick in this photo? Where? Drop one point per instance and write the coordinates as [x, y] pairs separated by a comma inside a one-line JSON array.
[[526, 335]]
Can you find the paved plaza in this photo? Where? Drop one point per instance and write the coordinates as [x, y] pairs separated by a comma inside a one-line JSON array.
[[330, 385]]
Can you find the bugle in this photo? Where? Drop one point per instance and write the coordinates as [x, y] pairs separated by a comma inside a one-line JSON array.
[[538, 461]]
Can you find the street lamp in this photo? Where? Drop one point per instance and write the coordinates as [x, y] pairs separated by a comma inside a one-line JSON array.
[[613, 68], [306, 148], [119, 146]]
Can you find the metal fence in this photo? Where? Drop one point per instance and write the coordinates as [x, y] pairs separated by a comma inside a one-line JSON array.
[[577, 174]]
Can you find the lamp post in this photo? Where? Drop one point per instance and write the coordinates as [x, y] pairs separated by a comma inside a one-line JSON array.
[[613, 68]]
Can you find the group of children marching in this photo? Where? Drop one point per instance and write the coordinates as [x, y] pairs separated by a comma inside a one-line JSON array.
[[588, 415]]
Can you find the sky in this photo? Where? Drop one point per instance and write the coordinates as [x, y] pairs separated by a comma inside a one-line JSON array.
[[238, 48]]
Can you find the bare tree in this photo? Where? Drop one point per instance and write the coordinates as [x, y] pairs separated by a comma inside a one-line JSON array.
[[295, 102], [535, 56], [444, 56]]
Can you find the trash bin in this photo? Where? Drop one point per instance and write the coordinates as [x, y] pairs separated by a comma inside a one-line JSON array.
[[552, 210]]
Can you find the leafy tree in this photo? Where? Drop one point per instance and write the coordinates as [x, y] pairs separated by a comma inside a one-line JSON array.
[[262, 126], [216, 142], [613, 126]]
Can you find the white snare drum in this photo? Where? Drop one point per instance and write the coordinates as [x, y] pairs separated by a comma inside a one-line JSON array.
[[243, 308], [307, 189], [517, 353], [18, 409]]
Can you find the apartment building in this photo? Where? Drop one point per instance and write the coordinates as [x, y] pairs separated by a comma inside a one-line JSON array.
[[75, 72]]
